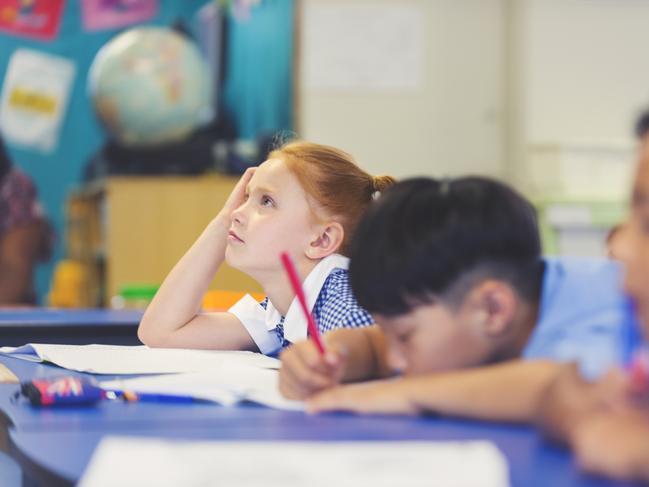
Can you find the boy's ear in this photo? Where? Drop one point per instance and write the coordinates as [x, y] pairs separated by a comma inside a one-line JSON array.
[[327, 241], [495, 305]]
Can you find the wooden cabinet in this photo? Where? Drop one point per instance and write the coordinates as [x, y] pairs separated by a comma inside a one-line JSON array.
[[132, 230]]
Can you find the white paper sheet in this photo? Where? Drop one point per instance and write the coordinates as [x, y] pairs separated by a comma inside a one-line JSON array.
[[284, 464], [354, 46], [115, 359], [229, 386]]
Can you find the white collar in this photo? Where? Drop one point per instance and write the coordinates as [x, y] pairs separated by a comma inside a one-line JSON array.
[[295, 323]]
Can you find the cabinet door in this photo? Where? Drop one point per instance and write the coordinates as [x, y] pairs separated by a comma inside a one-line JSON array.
[[151, 222]]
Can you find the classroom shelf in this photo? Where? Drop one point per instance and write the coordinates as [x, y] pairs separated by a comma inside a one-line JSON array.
[[132, 230]]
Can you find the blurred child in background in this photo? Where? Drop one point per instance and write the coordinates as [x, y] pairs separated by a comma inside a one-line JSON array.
[[607, 422], [25, 235]]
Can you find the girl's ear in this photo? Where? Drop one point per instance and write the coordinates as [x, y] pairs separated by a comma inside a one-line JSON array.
[[327, 241]]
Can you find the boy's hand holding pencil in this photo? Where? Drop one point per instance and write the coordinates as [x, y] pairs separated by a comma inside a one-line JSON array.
[[307, 367], [305, 371]]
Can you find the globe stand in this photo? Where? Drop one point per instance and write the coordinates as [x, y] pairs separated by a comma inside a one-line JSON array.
[[193, 155]]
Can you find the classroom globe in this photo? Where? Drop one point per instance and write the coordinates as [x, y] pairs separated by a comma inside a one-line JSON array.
[[150, 86]]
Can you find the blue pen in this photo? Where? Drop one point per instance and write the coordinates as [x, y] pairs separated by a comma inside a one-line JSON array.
[[631, 335], [131, 396], [635, 355]]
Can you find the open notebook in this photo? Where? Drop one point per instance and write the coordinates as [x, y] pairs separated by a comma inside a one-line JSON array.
[[117, 359], [141, 461], [223, 377]]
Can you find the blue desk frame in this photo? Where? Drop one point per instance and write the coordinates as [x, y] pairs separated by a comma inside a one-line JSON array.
[[54, 446], [80, 327]]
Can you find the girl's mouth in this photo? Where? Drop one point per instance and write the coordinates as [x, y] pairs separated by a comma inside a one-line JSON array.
[[234, 237]]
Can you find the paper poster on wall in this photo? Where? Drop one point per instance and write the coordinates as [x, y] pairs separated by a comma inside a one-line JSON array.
[[38, 19], [363, 46], [111, 14], [34, 98]]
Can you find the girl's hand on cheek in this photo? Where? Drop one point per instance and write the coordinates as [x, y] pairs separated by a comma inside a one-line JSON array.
[[238, 195]]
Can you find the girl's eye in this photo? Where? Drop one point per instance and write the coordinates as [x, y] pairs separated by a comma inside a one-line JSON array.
[[267, 201]]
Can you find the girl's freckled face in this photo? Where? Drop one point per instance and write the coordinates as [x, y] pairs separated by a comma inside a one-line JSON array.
[[275, 217]]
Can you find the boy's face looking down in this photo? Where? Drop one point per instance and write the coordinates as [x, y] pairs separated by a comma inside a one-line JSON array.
[[451, 270], [438, 336]]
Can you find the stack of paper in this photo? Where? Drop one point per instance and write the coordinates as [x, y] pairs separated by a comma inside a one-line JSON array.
[[285, 464], [116, 359], [220, 376]]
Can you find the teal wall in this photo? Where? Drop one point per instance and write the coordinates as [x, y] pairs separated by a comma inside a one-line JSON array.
[[257, 93]]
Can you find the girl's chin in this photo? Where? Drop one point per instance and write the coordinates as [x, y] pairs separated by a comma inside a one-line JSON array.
[[236, 263], [230, 259], [252, 269]]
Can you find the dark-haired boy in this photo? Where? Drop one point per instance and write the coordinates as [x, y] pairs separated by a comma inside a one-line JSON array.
[[452, 272]]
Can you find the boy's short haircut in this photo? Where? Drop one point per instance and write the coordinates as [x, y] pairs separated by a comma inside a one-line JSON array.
[[427, 239]]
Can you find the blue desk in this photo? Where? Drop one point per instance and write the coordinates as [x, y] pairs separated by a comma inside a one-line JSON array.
[[21, 326], [54, 446]]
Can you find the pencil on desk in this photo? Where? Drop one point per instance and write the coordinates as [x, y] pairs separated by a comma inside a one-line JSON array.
[[132, 396]]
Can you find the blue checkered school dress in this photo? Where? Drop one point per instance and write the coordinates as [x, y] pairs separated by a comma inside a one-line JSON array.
[[335, 307]]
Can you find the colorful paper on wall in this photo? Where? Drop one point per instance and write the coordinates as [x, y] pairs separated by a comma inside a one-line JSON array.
[[38, 19], [111, 14], [34, 98]]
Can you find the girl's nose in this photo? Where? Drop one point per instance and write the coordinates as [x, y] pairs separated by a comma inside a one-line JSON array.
[[238, 216]]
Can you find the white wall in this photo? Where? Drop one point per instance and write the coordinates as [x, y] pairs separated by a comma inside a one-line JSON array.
[[451, 124], [582, 73], [540, 92], [587, 68]]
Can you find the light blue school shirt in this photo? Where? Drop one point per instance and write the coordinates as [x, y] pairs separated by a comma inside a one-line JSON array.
[[581, 314]]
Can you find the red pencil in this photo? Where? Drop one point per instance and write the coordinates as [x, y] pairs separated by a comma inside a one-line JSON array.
[[299, 292]]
